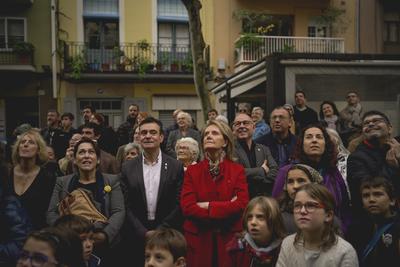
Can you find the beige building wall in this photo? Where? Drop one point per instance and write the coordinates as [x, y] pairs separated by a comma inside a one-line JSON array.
[[371, 18], [227, 28]]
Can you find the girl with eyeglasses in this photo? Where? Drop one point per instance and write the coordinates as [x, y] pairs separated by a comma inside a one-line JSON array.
[[50, 247], [317, 241]]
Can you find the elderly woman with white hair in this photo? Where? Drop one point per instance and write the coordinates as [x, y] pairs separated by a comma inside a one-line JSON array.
[[187, 151], [131, 151], [185, 129]]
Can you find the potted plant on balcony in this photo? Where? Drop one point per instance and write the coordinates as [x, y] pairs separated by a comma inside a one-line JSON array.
[[187, 64], [24, 50], [118, 56], [78, 65], [175, 66], [143, 44]]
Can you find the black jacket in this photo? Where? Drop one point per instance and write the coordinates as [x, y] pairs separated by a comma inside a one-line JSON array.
[[366, 162]]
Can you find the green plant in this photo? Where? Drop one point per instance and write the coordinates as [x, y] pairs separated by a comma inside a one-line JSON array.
[[249, 40], [187, 64], [288, 48], [334, 18], [117, 52], [77, 66], [143, 44], [143, 65], [23, 48]]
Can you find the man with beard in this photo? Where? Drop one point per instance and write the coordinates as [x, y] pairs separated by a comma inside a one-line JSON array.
[[124, 131], [51, 132], [377, 155], [260, 166]]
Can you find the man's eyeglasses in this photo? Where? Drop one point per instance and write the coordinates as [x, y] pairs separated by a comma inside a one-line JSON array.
[[374, 121], [308, 206], [245, 123], [36, 259]]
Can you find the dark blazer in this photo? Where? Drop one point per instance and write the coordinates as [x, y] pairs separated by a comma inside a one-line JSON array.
[[258, 181], [168, 212], [270, 141], [114, 208]]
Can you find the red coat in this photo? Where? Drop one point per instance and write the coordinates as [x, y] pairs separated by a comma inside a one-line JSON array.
[[223, 216]]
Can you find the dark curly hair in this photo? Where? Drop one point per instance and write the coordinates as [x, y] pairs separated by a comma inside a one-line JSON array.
[[334, 108], [329, 157]]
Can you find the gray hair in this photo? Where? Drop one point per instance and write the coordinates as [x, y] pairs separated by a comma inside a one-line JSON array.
[[131, 146], [222, 118], [187, 116], [192, 144]]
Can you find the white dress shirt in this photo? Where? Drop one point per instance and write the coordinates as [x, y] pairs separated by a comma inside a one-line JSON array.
[[151, 176]]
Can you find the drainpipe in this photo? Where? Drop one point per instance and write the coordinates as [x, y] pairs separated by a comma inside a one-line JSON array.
[[53, 48]]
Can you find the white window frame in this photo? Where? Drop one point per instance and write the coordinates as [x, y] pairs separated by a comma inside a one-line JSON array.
[[6, 30]]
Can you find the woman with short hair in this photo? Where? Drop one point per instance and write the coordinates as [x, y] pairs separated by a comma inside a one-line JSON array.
[[187, 151]]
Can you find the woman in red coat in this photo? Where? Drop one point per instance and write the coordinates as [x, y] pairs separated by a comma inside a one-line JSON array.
[[214, 195]]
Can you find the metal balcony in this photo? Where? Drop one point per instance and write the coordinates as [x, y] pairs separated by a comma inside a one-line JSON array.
[[250, 50], [138, 57], [11, 61]]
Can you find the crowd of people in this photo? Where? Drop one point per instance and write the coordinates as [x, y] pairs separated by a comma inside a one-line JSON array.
[[301, 189]]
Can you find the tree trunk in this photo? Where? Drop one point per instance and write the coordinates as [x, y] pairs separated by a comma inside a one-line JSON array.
[[197, 46]]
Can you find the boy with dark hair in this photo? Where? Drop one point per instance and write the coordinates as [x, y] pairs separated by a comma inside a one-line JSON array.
[[166, 245], [377, 240], [84, 228]]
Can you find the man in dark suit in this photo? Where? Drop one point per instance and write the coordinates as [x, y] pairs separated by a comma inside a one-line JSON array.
[[260, 166], [152, 183]]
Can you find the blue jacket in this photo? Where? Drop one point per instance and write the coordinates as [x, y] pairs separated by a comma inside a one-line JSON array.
[[14, 228], [262, 128]]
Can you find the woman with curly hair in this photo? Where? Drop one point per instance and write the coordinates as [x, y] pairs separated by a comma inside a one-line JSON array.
[[329, 116], [315, 148]]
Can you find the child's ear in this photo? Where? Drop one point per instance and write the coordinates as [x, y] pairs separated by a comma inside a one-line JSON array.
[[180, 262], [328, 216]]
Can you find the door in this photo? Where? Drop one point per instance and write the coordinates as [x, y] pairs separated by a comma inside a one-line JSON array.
[[101, 37]]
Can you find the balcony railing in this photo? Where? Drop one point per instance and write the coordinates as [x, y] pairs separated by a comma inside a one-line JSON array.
[[250, 50], [128, 57], [9, 57]]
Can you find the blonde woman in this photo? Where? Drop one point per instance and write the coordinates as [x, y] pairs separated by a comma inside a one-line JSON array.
[[30, 182]]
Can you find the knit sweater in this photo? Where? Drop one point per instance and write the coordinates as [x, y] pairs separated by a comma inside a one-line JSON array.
[[342, 254]]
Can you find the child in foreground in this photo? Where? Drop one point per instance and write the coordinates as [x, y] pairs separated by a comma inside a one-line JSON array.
[[165, 248], [264, 230], [84, 228], [316, 242], [377, 238]]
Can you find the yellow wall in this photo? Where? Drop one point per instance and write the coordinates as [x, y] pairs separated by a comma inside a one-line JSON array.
[[139, 19], [68, 18], [39, 32]]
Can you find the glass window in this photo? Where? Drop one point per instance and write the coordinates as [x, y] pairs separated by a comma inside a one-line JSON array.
[[12, 31], [101, 8], [171, 9]]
